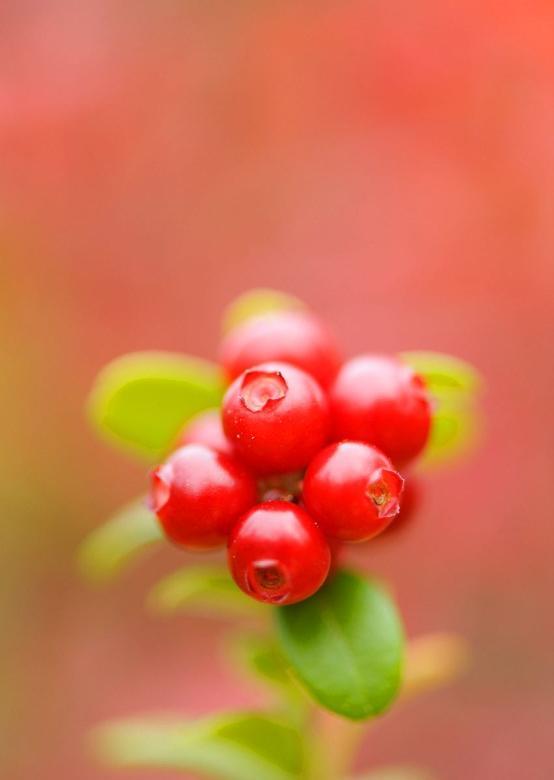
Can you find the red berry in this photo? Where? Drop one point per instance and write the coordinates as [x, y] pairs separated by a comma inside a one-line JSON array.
[[206, 428], [352, 491], [276, 417], [277, 554], [198, 494], [381, 401], [294, 337]]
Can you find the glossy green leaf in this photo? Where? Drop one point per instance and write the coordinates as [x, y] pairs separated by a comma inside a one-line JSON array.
[[203, 589], [245, 746], [255, 302], [108, 548], [142, 400], [445, 376], [346, 645]]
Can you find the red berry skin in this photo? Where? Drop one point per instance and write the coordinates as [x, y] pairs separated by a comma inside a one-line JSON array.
[[206, 428], [381, 401], [294, 337], [352, 491], [198, 494], [277, 418], [277, 554]]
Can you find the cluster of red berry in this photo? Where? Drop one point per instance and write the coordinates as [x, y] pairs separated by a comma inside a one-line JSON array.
[[299, 459]]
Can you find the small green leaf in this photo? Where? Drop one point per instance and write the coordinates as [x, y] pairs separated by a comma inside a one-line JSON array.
[[346, 645], [263, 656], [454, 385], [142, 400], [108, 548], [445, 376], [245, 746], [204, 589], [255, 302], [454, 433]]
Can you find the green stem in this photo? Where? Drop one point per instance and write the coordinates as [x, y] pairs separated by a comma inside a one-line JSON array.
[[335, 742]]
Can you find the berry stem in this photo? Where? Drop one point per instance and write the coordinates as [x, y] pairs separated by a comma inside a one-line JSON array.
[[335, 743]]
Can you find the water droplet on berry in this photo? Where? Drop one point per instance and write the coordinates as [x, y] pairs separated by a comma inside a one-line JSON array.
[[260, 389], [384, 489]]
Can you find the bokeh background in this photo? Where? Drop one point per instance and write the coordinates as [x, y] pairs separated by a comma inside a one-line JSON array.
[[390, 162]]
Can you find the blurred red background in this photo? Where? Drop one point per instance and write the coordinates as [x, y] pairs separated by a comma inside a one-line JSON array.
[[391, 163]]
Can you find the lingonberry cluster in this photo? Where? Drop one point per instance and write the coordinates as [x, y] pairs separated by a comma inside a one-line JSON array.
[[302, 456]]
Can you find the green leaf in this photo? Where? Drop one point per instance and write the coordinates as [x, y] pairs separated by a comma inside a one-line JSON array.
[[454, 433], [142, 400], [204, 589], [445, 376], [244, 746], [108, 548], [263, 656], [255, 302], [346, 645], [454, 385]]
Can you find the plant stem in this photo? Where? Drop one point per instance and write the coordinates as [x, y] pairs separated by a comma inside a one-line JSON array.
[[334, 746]]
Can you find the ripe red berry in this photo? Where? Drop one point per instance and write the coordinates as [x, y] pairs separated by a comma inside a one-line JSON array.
[[381, 401], [206, 428], [352, 491], [276, 417], [295, 337], [277, 554], [198, 494]]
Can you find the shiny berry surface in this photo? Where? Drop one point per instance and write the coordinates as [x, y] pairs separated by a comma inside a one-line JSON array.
[[294, 337], [352, 491], [198, 494], [277, 418], [277, 554], [206, 428], [381, 401]]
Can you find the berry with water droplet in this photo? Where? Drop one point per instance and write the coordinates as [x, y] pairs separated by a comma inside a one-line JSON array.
[[198, 494], [352, 490], [277, 554], [276, 417], [381, 401], [295, 337]]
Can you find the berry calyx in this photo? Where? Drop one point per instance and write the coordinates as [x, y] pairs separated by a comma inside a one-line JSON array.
[[259, 388], [198, 494], [206, 428], [381, 401], [277, 554], [384, 489], [352, 490], [412, 498], [276, 417], [295, 337]]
